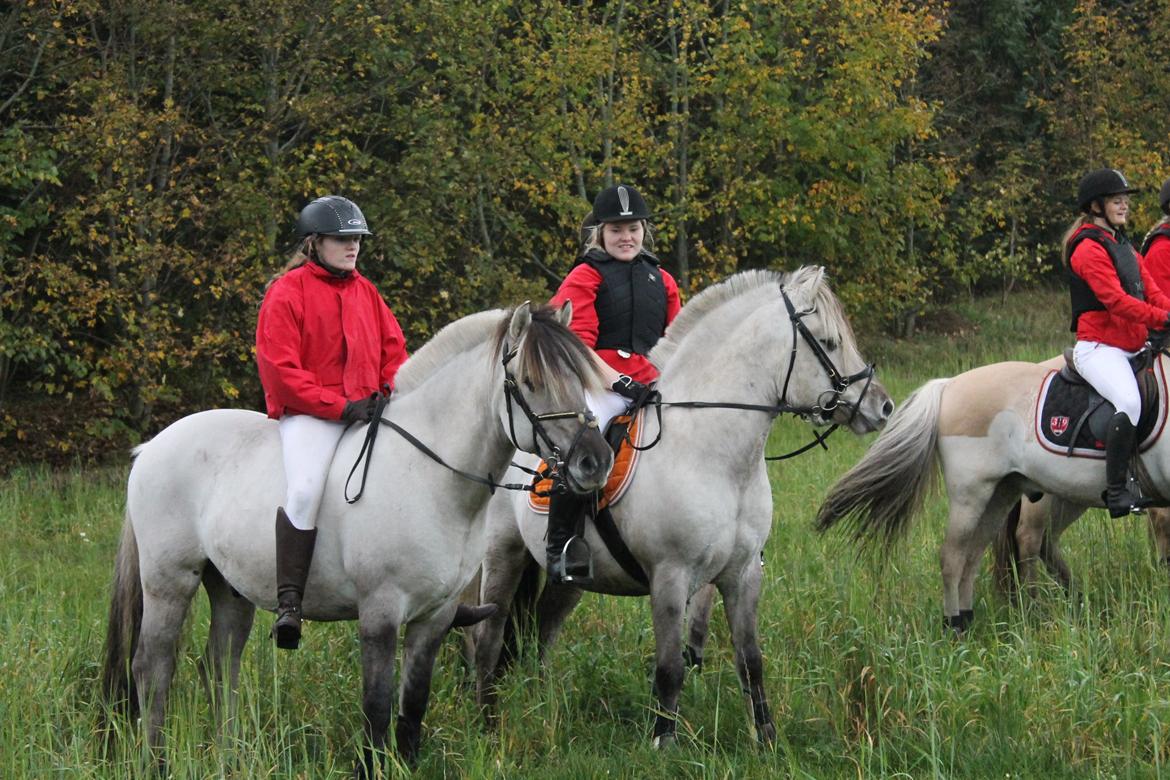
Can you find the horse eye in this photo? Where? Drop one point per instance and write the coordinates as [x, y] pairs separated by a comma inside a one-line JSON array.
[[830, 344], [531, 387]]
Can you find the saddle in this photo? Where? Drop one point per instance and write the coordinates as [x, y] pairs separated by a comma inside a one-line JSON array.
[[1071, 417], [625, 437]]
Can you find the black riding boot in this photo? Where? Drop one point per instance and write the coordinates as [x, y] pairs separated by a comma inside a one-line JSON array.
[[569, 559], [294, 554], [1119, 442]]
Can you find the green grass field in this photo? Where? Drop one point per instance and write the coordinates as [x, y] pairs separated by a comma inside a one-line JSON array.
[[862, 680]]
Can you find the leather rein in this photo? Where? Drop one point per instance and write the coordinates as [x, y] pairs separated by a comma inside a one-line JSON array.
[[823, 408], [512, 394]]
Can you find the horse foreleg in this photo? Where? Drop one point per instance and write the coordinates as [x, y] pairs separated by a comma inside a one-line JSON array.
[[379, 641], [1160, 533], [668, 596], [164, 607], [1031, 540], [557, 602], [418, 664], [741, 598], [231, 623], [503, 568], [1061, 516], [698, 619]]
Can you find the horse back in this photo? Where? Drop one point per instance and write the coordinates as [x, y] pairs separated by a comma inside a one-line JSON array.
[[972, 400]]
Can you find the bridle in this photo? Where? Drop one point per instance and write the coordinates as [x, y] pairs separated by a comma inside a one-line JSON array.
[[512, 394], [827, 402]]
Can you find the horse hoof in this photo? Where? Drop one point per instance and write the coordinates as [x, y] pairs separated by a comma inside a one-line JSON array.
[[766, 734], [954, 625], [664, 741], [693, 659]]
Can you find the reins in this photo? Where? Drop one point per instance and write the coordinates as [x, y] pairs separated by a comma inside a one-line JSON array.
[[840, 384], [512, 394]]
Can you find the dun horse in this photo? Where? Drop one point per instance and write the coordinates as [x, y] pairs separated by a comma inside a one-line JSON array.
[[699, 508], [199, 505], [980, 428]]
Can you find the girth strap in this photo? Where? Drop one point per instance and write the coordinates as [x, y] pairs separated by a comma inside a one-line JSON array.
[[612, 539]]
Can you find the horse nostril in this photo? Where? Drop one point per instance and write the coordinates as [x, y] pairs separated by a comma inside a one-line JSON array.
[[887, 408], [586, 464]]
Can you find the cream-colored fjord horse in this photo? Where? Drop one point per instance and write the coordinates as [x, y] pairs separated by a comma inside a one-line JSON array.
[[979, 428]]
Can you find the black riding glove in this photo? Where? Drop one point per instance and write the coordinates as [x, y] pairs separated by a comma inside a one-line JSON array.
[[1157, 338], [361, 411], [630, 388]]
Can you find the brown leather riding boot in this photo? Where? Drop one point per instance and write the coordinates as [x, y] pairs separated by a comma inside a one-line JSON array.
[[294, 554]]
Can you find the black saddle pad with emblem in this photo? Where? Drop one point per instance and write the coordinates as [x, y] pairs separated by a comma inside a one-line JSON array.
[[1071, 416]]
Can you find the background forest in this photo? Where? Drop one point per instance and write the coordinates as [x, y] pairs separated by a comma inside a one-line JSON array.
[[154, 154]]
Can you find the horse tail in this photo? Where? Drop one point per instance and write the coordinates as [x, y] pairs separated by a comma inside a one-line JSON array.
[[521, 626], [123, 626], [879, 496], [1007, 554]]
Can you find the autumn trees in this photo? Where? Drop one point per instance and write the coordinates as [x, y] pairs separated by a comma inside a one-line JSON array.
[[153, 155]]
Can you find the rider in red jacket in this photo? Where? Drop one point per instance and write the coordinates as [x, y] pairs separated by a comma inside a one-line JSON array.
[[326, 344], [622, 302], [1115, 303], [1156, 246]]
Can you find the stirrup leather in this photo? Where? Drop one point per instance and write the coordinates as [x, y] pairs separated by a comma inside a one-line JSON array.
[[575, 563]]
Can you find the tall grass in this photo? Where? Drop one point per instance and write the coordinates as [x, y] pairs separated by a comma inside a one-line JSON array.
[[862, 680]]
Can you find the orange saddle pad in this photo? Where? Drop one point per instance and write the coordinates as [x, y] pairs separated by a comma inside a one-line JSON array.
[[620, 477]]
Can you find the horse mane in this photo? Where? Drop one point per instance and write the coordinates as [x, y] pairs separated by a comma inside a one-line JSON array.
[[550, 356], [740, 284], [455, 338]]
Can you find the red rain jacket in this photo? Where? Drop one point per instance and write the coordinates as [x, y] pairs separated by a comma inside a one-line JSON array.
[[1125, 321], [1157, 259], [322, 340]]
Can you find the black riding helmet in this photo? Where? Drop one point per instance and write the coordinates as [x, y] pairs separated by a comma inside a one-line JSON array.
[[1098, 184], [619, 204], [332, 215], [1164, 197]]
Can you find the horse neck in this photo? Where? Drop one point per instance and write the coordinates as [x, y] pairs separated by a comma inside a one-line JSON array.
[[453, 411], [736, 358]]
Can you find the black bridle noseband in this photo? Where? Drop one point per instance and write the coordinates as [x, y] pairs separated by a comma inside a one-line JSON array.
[[823, 408], [512, 394]]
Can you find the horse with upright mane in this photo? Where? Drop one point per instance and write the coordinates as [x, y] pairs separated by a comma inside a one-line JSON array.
[[199, 497], [699, 508]]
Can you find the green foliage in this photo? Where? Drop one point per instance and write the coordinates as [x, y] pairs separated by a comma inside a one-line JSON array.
[[154, 155]]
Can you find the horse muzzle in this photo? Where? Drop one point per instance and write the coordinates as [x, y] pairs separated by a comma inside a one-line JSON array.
[[588, 464]]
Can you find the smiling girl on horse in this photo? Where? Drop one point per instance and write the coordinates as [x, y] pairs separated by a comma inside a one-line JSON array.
[[622, 302], [1115, 303]]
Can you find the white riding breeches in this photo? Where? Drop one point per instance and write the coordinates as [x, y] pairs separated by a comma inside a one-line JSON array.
[[606, 406], [307, 444], [1107, 369]]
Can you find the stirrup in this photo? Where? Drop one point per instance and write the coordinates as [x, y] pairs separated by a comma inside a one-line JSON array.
[[574, 565], [287, 628]]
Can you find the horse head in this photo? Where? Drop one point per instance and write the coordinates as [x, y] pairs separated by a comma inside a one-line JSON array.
[[547, 371], [826, 371]]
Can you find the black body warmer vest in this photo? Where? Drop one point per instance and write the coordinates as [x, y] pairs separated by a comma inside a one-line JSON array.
[[631, 301], [1162, 229], [1125, 262]]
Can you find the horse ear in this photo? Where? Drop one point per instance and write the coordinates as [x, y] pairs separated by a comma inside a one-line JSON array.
[[521, 318], [809, 278], [565, 313]]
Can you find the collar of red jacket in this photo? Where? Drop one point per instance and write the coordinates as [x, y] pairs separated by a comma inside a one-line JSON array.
[[323, 273]]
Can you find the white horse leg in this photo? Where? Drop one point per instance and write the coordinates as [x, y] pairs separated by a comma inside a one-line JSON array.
[[418, 665], [504, 567], [231, 623], [1160, 533], [1062, 515], [968, 504], [668, 596], [698, 618], [165, 601], [378, 633], [557, 602], [977, 540], [741, 599]]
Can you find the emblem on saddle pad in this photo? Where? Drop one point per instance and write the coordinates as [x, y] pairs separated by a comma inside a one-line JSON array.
[[1058, 425]]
